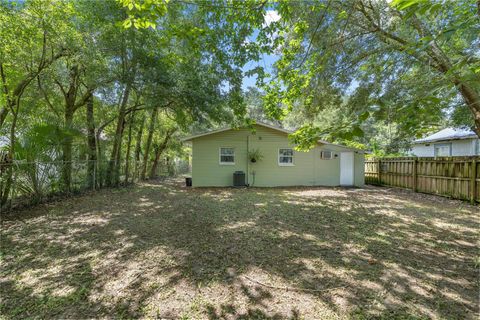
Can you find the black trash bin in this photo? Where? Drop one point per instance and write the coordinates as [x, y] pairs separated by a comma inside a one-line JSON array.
[[239, 179], [188, 182]]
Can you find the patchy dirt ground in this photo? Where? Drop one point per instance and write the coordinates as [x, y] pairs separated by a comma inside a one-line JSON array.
[[165, 251]]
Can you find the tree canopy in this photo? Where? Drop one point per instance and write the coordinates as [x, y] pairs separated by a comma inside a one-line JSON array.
[[79, 84], [406, 62], [410, 65]]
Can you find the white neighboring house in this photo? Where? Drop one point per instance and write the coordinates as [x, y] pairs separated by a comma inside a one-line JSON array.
[[446, 143]]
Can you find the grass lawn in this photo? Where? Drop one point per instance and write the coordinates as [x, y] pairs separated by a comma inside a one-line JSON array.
[[160, 250]]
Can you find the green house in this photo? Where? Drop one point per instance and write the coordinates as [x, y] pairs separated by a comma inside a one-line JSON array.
[[218, 154]]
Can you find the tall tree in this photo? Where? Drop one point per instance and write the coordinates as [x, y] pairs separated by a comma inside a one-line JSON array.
[[148, 144], [73, 100], [131, 122], [159, 148], [92, 144], [23, 58]]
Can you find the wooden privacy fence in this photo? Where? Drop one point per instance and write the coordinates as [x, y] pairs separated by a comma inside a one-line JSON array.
[[455, 177]]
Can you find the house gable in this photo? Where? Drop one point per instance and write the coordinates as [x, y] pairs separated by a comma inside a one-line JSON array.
[[256, 127], [262, 127]]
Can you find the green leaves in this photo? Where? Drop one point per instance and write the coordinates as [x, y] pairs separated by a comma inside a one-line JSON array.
[[306, 137], [406, 54], [143, 14], [364, 116], [357, 131], [404, 4], [343, 14], [127, 23]]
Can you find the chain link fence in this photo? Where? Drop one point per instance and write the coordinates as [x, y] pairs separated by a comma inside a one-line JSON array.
[[24, 183]]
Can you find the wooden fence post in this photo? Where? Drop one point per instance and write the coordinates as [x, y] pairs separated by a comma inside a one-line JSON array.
[[415, 177], [379, 172], [473, 182]]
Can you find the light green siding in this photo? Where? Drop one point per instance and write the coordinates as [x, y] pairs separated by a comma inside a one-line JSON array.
[[307, 168]]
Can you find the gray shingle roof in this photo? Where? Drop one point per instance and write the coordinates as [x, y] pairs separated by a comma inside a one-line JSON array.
[[448, 134]]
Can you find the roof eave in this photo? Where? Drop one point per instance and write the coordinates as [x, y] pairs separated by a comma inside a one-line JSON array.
[[445, 139], [189, 138]]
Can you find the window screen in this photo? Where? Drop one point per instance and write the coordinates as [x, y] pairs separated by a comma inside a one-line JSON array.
[[285, 156], [227, 156]]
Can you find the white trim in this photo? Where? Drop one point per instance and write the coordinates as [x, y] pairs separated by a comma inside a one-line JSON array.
[[446, 140], [274, 128], [204, 134], [281, 164], [220, 156]]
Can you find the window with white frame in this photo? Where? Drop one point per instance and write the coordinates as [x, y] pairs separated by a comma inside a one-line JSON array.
[[227, 155], [443, 150], [326, 154], [285, 157]]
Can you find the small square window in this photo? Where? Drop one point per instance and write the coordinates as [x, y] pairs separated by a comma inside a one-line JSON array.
[[443, 150], [227, 156], [326, 155], [285, 157]]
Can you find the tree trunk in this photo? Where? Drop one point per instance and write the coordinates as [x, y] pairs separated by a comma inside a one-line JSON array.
[[158, 152], [444, 65], [100, 163], [129, 144], [435, 54], [118, 159], [156, 160], [71, 106], [472, 99], [67, 151], [151, 129], [92, 145], [138, 146], [3, 114], [113, 165], [11, 154], [469, 94]]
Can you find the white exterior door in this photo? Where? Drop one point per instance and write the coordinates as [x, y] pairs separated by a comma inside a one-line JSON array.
[[346, 168]]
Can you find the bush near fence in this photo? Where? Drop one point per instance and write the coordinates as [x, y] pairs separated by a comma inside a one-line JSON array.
[[455, 177]]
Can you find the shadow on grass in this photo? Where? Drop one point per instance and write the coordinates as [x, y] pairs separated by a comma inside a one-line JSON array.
[[161, 250]]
